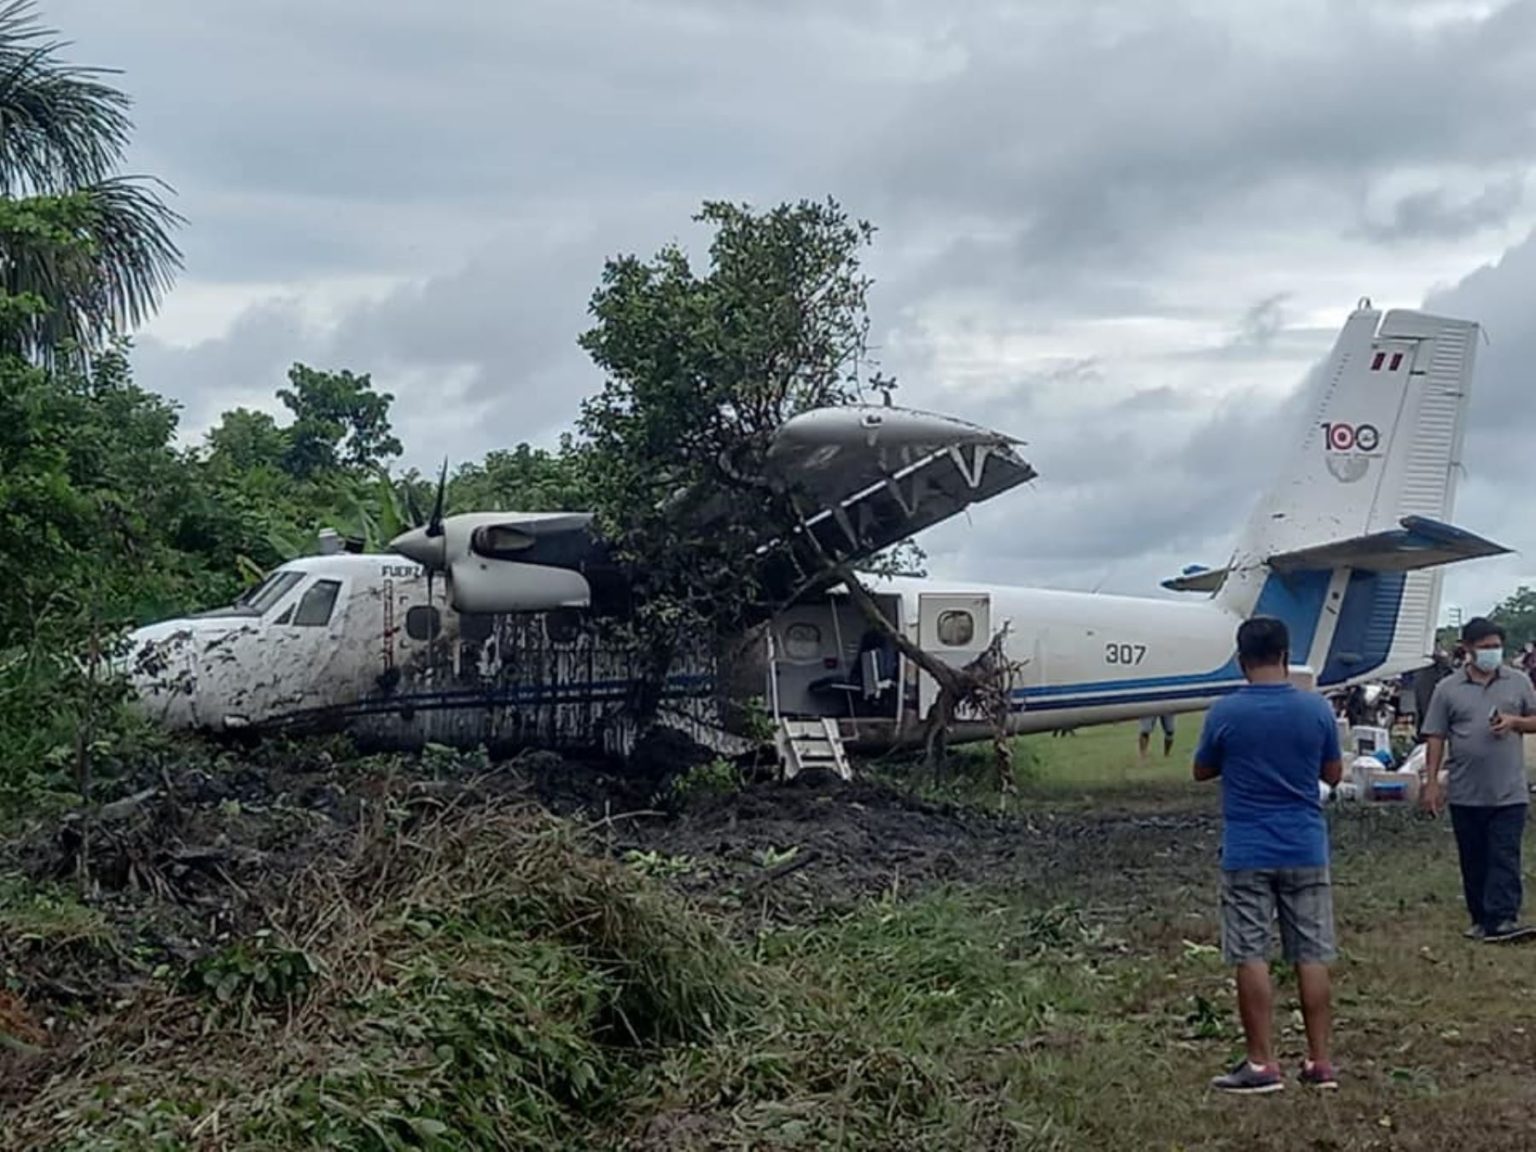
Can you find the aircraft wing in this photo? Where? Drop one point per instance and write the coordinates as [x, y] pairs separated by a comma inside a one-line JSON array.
[[865, 477], [861, 478], [1419, 542]]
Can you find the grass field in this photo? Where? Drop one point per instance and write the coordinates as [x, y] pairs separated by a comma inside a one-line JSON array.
[[777, 967], [1436, 1037], [1079, 769], [1093, 759]]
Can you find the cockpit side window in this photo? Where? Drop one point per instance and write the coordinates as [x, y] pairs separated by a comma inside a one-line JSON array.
[[270, 591], [260, 600], [314, 610]]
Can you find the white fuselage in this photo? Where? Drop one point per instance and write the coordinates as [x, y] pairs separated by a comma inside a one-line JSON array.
[[1345, 549], [377, 662], [1090, 659]]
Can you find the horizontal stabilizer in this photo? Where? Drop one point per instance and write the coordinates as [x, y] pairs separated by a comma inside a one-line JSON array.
[[1197, 579], [1418, 543]]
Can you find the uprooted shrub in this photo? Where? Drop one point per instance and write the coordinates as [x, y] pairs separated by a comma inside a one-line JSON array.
[[470, 979]]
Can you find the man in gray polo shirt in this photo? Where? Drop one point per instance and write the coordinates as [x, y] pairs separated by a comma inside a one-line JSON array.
[[1483, 709]]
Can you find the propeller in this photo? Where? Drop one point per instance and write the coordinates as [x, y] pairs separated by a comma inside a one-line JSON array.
[[434, 527]]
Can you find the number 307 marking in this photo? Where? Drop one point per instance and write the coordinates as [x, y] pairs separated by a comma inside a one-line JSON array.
[[1124, 653]]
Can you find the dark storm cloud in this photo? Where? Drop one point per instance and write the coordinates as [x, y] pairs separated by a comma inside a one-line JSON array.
[[245, 367], [1262, 322], [1501, 426], [436, 126], [1130, 489], [1028, 165], [1090, 132], [1436, 214], [1086, 129]]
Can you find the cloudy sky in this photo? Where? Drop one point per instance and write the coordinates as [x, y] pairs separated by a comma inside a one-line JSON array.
[[1120, 229]]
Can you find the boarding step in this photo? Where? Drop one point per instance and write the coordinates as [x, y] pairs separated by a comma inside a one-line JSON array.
[[813, 743]]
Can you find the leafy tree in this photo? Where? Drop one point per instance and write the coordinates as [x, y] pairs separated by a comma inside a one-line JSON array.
[[339, 421], [84, 253], [94, 499], [1516, 613], [93, 496], [98, 532], [525, 479], [246, 440], [701, 370]]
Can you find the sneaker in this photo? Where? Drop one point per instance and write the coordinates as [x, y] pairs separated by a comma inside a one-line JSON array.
[[1318, 1075], [1249, 1079], [1508, 932], [1475, 932]]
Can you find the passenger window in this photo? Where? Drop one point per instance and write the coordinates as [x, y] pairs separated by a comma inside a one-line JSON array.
[[802, 642], [422, 623], [314, 609], [956, 629]]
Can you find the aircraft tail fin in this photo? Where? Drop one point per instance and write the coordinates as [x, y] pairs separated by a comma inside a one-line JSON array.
[[1360, 516]]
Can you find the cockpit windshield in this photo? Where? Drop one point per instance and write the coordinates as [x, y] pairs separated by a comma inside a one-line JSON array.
[[255, 601]]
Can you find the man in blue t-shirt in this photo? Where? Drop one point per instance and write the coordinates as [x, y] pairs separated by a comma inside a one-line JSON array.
[[1270, 743]]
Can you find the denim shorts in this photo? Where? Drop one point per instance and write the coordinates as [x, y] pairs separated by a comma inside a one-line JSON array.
[[1300, 898]]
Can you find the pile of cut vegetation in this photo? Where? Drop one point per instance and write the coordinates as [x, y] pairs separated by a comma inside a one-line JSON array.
[[303, 951], [442, 962]]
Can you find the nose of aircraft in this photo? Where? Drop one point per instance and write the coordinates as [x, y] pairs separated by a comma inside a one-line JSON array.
[[428, 551], [140, 657]]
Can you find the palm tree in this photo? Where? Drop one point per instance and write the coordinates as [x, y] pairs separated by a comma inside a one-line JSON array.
[[85, 253]]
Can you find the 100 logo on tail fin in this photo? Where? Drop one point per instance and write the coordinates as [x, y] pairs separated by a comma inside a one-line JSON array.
[[1348, 449], [1351, 437]]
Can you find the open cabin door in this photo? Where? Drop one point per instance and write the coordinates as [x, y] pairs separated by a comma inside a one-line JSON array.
[[954, 626]]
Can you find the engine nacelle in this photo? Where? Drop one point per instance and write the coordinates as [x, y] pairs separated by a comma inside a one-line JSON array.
[[499, 562]]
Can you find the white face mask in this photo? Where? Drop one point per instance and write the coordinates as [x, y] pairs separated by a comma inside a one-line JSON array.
[[1488, 659]]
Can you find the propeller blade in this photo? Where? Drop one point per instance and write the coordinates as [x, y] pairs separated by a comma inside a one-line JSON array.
[[412, 505], [435, 528]]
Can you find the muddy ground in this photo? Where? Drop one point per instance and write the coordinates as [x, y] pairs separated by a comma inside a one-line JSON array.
[[190, 855], [854, 842]]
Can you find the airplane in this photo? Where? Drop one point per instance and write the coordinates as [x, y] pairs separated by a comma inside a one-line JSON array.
[[1347, 547]]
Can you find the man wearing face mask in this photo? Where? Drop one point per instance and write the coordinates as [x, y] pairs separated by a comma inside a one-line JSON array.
[[1483, 709]]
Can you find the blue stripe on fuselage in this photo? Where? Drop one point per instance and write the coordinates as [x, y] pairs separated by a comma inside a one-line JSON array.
[[1296, 598]]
